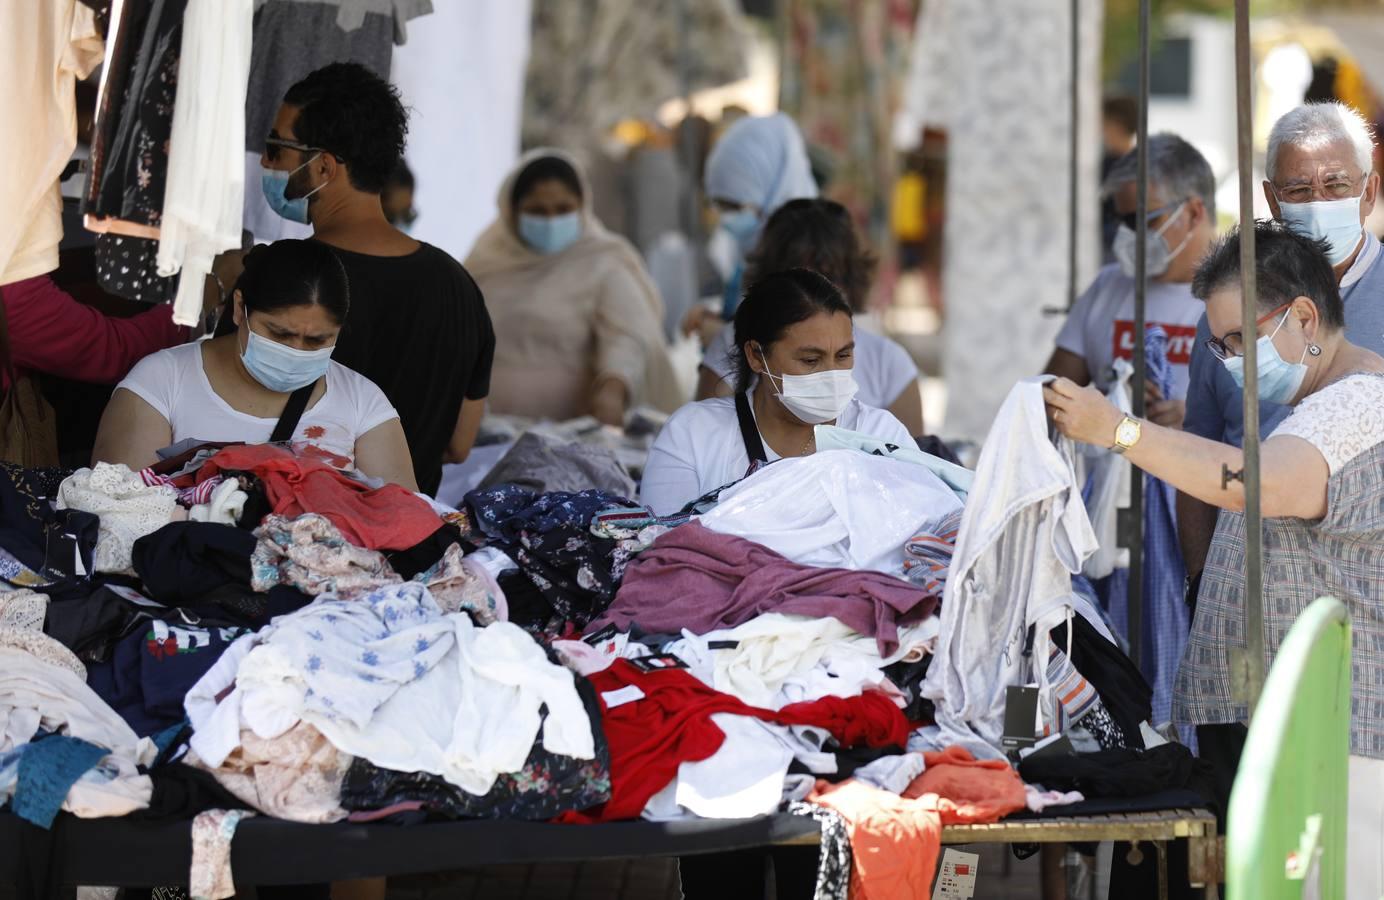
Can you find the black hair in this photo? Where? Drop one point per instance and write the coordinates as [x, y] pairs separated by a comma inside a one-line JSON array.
[[291, 273], [1123, 111], [818, 235], [775, 303], [355, 115], [1287, 265], [545, 168]]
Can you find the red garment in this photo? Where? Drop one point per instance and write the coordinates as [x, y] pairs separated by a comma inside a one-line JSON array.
[[895, 840], [671, 724], [390, 518], [52, 332]]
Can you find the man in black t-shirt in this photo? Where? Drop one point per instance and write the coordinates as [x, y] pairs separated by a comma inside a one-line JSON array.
[[417, 326]]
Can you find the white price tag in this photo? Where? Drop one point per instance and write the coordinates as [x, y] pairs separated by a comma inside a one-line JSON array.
[[956, 877], [627, 694]]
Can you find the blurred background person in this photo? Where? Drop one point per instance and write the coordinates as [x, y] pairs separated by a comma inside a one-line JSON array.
[[578, 322], [818, 235]]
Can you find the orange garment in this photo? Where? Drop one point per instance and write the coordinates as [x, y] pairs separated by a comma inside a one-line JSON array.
[[895, 840], [969, 790]]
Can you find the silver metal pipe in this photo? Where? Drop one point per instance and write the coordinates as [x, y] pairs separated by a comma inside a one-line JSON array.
[[1075, 168], [1253, 670], [1135, 530]]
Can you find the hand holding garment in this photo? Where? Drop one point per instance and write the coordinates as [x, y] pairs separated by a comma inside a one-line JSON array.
[[389, 518], [1023, 535], [835, 508], [702, 580], [127, 507]]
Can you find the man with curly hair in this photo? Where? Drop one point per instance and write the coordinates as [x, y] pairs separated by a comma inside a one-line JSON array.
[[417, 325]]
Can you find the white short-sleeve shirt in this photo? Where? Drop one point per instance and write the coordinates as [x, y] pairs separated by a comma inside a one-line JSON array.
[[1100, 327], [700, 449], [883, 368], [175, 384], [1342, 420]]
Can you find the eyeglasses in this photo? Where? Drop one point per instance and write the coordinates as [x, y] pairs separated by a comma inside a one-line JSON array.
[[272, 146], [1336, 186], [1131, 219], [1233, 344]]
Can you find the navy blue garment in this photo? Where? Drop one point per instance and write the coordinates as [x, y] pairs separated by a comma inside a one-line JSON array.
[[183, 561], [43, 548], [152, 669], [549, 537]]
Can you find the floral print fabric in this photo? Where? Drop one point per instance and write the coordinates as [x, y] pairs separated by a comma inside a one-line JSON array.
[[549, 537], [310, 554]]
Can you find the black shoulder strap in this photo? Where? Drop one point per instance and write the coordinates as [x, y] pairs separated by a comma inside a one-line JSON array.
[[293, 412], [749, 431]]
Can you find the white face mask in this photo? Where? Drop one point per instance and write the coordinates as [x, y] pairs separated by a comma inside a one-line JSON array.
[[1157, 255], [816, 398]]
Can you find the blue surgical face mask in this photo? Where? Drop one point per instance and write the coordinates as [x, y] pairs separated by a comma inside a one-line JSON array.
[[743, 225], [274, 183], [281, 368], [1335, 221], [550, 234], [1279, 380]]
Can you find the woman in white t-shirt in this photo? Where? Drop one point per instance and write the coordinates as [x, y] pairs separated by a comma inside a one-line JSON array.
[[819, 235], [288, 308], [794, 372]]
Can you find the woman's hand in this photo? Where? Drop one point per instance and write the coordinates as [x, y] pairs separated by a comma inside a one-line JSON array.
[[1082, 413], [609, 402]]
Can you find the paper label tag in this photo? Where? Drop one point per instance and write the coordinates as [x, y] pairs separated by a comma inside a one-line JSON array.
[[627, 694], [133, 596], [956, 876], [658, 663], [604, 634]]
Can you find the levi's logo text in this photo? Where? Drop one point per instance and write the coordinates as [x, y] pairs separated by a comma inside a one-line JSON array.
[[1181, 340]]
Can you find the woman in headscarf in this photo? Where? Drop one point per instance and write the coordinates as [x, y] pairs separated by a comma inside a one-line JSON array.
[[578, 322], [758, 165]]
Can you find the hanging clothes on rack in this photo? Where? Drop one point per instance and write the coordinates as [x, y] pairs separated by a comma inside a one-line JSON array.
[[128, 168], [206, 175], [46, 47]]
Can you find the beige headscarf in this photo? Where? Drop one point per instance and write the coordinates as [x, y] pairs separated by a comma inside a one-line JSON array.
[[500, 250]]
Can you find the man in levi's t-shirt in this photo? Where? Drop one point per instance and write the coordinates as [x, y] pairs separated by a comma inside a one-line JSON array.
[[1181, 226]]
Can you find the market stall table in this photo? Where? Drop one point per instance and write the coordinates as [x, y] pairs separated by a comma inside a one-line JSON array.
[[117, 852]]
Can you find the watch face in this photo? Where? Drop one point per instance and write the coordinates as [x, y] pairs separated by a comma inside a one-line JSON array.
[[1127, 433]]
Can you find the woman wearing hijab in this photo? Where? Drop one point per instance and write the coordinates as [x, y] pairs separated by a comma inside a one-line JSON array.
[[578, 322]]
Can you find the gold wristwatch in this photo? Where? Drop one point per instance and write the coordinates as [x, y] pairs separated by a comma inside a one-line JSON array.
[[1126, 434]]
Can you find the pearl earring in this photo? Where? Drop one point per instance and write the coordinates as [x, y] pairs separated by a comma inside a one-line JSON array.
[[1314, 350]]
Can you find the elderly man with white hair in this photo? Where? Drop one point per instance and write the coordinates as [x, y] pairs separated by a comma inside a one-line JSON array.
[[1321, 182]]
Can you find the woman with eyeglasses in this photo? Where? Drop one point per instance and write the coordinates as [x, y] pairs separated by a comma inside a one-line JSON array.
[[819, 235], [1321, 488]]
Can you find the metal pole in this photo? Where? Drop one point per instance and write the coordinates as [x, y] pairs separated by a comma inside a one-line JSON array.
[[1075, 169], [1253, 670], [687, 147], [1136, 483]]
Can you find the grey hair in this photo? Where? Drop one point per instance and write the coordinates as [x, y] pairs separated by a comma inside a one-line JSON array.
[[1313, 126], [1175, 166]]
